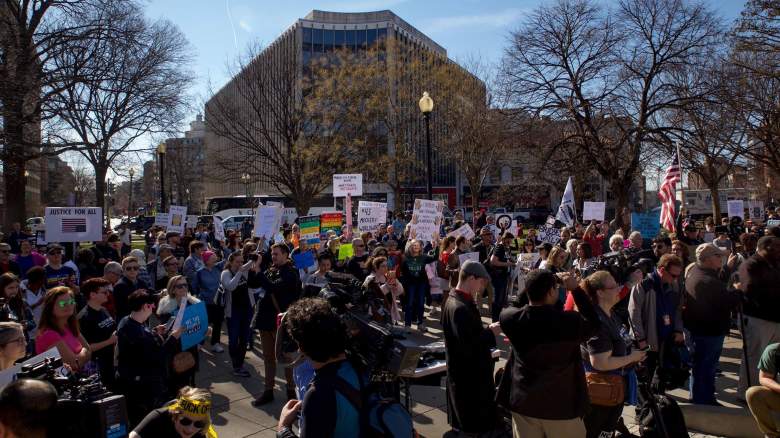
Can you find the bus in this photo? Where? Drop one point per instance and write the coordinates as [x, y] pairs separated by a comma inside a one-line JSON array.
[[225, 206]]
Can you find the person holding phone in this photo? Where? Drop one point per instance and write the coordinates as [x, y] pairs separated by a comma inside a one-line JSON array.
[[239, 303]]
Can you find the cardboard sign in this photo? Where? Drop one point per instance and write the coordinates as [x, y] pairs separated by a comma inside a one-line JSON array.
[[304, 259], [192, 220], [465, 231], [347, 183], [346, 251], [177, 216], [196, 323], [648, 224], [527, 260], [267, 221], [463, 258], [736, 207], [331, 221], [371, 215], [310, 229], [593, 211], [161, 219], [426, 219], [549, 235], [756, 211], [219, 230], [73, 224]]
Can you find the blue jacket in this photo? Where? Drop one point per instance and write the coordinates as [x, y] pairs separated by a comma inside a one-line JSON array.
[[206, 283]]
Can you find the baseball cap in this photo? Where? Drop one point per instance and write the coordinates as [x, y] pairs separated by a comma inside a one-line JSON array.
[[54, 247], [690, 227], [707, 250], [475, 269], [170, 234]]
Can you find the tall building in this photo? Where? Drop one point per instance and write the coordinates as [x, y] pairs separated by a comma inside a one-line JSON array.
[[184, 166], [314, 36]]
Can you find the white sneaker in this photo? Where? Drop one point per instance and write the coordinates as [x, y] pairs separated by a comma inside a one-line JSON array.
[[217, 348]]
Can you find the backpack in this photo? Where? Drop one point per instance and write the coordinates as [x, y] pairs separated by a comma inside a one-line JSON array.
[[672, 418], [379, 416]]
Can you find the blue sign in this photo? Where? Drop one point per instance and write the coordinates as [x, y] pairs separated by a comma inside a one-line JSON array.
[[303, 259], [195, 323], [648, 224]]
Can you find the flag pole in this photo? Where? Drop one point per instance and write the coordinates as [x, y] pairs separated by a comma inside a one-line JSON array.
[[682, 190]]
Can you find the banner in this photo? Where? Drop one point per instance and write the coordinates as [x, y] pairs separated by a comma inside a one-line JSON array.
[[773, 223], [736, 207], [310, 228], [756, 211], [347, 184], [304, 259], [464, 231], [566, 212], [426, 219], [593, 211], [371, 215], [267, 221], [73, 224], [196, 323], [219, 230], [331, 221], [549, 235], [648, 224], [177, 215], [161, 219]]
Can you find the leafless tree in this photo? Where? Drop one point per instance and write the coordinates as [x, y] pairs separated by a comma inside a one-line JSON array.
[[758, 32], [83, 186]]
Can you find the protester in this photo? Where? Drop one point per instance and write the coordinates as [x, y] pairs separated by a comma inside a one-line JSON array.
[[127, 284], [142, 357], [239, 302], [194, 261], [500, 266], [681, 250], [357, 265], [764, 399], [282, 287], [662, 245], [34, 290], [187, 417], [105, 252], [27, 409], [16, 308], [548, 396], [6, 264], [98, 327], [56, 273], [167, 310], [485, 245], [171, 266], [143, 274], [59, 328], [616, 243], [85, 265], [325, 411], [207, 284], [16, 237], [583, 264], [415, 284], [470, 387], [758, 278], [13, 344], [382, 285]]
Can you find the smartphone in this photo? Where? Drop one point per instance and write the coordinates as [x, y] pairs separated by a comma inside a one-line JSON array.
[[252, 257]]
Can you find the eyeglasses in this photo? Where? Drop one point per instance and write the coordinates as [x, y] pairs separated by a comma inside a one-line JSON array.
[[180, 286], [184, 421], [65, 303], [132, 268], [20, 341]]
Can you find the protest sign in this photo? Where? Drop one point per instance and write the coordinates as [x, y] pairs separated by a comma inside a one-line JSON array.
[[195, 323], [371, 215], [736, 207], [177, 215], [773, 223], [527, 260], [304, 259], [548, 234], [648, 224], [331, 221], [192, 220], [345, 251], [310, 229], [504, 222], [426, 219], [347, 184], [289, 215], [433, 279], [73, 224], [756, 211], [267, 221], [219, 230], [463, 258], [161, 219], [40, 238], [593, 211], [464, 231]]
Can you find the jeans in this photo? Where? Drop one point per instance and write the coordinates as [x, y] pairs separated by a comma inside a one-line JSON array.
[[499, 295], [239, 333], [414, 306], [706, 355], [216, 315]]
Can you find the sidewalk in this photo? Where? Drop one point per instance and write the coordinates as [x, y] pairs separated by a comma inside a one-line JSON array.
[[234, 416]]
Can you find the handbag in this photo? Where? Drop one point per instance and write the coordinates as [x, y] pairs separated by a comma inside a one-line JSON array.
[[183, 361], [605, 389], [219, 297]]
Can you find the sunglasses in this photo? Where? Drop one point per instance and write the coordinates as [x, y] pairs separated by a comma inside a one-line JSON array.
[[65, 303], [132, 268], [199, 424], [180, 286]]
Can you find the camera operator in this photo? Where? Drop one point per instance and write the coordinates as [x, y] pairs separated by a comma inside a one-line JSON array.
[[321, 336], [26, 407], [12, 344], [186, 417]]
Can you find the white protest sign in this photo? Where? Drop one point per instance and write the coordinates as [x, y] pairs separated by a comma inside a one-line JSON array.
[[527, 260], [219, 230], [473, 256], [73, 224], [756, 210], [347, 183], [426, 219], [736, 207], [179, 315], [371, 215], [593, 210], [161, 219], [267, 221], [464, 231], [177, 215], [289, 215], [192, 220]]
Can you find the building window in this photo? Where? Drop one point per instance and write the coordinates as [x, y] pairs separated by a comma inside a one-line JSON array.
[[317, 40], [382, 33], [360, 38], [371, 37], [339, 38], [329, 38], [350, 34], [307, 35]]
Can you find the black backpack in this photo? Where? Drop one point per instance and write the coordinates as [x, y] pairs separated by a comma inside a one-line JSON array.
[[672, 424]]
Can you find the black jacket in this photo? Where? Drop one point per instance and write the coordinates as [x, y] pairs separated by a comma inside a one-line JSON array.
[[708, 302], [282, 285], [122, 289], [142, 356], [470, 387], [548, 380], [763, 294]]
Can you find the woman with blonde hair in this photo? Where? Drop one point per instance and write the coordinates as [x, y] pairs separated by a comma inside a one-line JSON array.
[[189, 416], [12, 344], [555, 260], [171, 298]]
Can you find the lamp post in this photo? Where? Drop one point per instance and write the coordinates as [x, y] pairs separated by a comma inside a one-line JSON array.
[[130, 196], [161, 155], [245, 179], [187, 192], [426, 107]]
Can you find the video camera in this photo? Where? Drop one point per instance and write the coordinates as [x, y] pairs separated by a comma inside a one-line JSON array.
[[621, 264], [5, 311], [85, 408]]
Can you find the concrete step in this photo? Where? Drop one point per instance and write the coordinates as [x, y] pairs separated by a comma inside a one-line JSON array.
[[731, 422]]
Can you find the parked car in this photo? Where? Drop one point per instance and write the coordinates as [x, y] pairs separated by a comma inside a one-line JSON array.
[[138, 224], [234, 222], [35, 224]]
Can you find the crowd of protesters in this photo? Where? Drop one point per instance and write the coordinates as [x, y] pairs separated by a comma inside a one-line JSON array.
[[109, 309]]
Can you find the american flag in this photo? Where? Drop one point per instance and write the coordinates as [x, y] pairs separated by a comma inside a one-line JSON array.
[[666, 193], [74, 225]]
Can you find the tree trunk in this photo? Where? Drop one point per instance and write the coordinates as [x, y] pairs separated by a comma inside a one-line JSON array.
[[100, 190], [621, 192], [474, 206], [715, 193]]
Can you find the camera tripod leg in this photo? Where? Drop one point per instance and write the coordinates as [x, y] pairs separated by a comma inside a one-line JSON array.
[[407, 393]]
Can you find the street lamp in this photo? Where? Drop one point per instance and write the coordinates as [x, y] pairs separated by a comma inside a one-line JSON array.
[[426, 107], [161, 154], [130, 196], [245, 179], [187, 192]]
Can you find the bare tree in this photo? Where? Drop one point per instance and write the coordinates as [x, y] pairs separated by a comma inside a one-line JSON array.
[[758, 32], [83, 186]]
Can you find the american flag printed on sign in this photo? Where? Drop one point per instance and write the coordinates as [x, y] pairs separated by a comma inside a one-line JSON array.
[[74, 225]]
